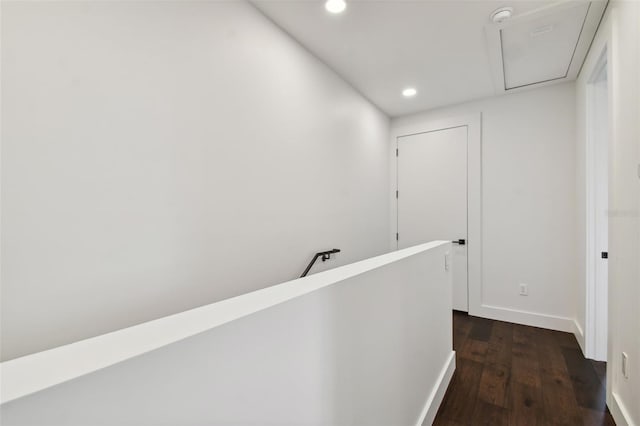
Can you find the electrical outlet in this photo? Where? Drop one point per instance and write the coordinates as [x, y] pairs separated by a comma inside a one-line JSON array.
[[625, 365], [524, 290]]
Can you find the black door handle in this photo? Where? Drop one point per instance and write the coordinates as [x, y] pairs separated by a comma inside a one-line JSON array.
[[460, 241]]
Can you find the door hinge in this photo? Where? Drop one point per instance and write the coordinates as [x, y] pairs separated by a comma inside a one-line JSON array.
[[396, 193], [397, 236], [397, 152]]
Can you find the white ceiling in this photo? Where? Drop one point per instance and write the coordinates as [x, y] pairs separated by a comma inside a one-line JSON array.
[[381, 47]]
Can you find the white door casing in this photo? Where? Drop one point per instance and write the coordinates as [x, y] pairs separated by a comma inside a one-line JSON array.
[[597, 174]]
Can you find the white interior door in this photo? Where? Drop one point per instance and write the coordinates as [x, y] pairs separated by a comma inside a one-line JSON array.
[[432, 197]]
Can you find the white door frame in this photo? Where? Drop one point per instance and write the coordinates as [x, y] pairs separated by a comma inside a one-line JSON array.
[[595, 336], [474, 193]]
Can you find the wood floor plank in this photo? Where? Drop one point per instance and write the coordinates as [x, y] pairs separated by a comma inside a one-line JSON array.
[[518, 375], [525, 405], [474, 350], [566, 340], [459, 404], [494, 383], [490, 415], [525, 343], [462, 327], [597, 418], [500, 343], [601, 370], [526, 371], [550, 350], [559, 400], [441, 421], [586, 385], [481, 329]]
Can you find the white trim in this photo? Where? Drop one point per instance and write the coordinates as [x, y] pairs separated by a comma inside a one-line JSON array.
[[473, 122], [619, 411], [434, 400], [23, 376], [533, 319], [577, 331], [595, 346], [494, 44]]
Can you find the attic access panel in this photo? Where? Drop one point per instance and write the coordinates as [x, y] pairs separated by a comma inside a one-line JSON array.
[[544, 46], [541, 49]]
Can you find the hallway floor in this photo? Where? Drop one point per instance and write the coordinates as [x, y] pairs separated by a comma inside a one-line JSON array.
[[509, 374]]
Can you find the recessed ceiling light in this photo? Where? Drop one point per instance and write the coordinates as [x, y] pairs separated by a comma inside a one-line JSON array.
[[502, 14], [409, 92], [335, 6]]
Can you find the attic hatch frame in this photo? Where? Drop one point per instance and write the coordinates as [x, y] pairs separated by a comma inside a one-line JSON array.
[[493, 35]]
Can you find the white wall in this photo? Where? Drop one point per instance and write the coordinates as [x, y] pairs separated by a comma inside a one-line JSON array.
[[619, 33], [528, 202], [358, 349], [158, 156]]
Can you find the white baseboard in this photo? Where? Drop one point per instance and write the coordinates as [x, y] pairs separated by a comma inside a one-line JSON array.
[[533, 319], [434, 400], [577, 331], [618, 411]]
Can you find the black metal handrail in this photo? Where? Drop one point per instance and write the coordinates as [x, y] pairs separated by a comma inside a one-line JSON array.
[[326, 255]]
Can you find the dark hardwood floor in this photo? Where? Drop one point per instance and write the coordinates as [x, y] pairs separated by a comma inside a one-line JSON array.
[[509, 374]]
